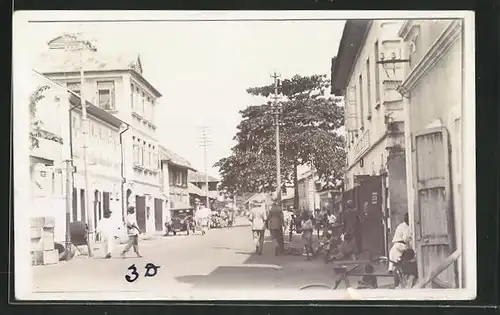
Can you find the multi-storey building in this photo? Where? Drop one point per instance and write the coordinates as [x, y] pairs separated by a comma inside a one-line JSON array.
[[434, 90], [175, 185], [308, 197], [367, 71], [116, 85], [198, 179], [59, 112]]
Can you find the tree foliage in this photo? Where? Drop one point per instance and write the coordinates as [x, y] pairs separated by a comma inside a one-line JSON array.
[[308, 135], [35, 123]]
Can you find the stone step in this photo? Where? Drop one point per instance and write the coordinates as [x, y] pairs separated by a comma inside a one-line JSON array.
[[45, 257]]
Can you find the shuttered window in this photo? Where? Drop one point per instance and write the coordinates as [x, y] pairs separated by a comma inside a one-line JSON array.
[[433, 207]]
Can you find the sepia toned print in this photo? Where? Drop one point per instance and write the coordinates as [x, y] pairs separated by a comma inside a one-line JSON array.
[[237, 157]]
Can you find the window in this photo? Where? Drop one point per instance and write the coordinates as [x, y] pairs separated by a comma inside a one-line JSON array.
[[377, 74], [74, 86], [106, 91], [132, 98], [361, 105], [171, 178], [184, 179], [368, 89], [143, 100], [143, 153], [135, 151], [136, 99], [178, 178]]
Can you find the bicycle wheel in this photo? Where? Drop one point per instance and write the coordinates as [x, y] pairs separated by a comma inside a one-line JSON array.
[[316, 286]]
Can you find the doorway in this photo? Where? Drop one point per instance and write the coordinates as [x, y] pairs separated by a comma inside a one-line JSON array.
[[158, 215], [140, 207]]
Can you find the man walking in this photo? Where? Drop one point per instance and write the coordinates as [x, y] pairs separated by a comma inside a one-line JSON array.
[[132, 231], [107, 231], [258, 219], [275, 224]]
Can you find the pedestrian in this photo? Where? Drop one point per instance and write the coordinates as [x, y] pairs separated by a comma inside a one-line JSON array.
[[258, 217], [107, 231], [352, 227], [202, 217], [307, 226], [400, 242], [132, 231], [275, 225]]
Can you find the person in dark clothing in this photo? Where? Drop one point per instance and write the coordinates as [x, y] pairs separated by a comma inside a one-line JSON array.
[[351, 225], [275, 223]]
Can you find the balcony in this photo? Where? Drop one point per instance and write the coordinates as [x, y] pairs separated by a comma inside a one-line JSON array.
[[361, 145]]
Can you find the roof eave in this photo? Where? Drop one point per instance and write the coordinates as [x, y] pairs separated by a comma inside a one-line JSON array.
[[353, 37]]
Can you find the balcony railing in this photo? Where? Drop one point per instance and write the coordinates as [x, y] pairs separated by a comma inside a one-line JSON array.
[[362, 144]]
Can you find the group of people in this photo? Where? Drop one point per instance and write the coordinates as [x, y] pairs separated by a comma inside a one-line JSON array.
[[348, 223]]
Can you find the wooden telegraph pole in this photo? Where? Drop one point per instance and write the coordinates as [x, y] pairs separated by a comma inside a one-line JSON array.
[[276, 110]]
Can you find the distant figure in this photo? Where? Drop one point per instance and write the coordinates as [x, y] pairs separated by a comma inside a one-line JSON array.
[[107, 230], [258, 217], [133, 233], [400, 242], [307, 233], [202, 217], [275, 224]]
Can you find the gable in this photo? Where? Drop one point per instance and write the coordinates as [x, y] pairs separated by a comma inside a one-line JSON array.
[[61, 41]]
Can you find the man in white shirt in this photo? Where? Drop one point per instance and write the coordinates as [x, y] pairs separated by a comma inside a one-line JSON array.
[[258, 218], [107, 230], [400, 242], [132, 231]]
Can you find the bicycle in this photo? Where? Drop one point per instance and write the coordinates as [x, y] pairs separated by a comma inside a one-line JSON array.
[[345, 273]]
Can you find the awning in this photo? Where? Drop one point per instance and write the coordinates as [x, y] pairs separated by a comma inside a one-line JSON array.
[[194, 190]]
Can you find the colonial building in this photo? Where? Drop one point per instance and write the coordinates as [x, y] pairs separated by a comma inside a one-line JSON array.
[[198, 180], [367, 70], [59, 112], [433, 89], [308, 198], [116, 84], [174, 170]]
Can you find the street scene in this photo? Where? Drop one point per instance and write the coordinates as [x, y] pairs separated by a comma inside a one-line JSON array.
[[244, 154]]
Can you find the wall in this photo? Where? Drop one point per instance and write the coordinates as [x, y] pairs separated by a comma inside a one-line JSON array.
[[428, 104]]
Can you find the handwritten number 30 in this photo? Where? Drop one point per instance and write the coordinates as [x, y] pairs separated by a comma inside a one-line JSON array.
[[151, 271]]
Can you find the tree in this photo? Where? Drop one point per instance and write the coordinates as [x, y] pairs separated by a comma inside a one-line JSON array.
[[309, 126], [35, 123]]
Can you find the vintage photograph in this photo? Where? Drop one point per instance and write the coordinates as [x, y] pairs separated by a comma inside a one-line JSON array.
[[312, 155]]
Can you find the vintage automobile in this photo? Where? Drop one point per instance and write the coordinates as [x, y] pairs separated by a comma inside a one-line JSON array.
[[181, 221]]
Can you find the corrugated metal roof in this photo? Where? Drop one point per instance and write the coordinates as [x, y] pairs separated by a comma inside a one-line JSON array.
[[174, 158], [193, 189], [199, 177]]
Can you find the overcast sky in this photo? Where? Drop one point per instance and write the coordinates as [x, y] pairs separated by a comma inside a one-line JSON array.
[[203, 68]]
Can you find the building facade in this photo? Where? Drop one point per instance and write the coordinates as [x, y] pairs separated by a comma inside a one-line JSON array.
[[60, 113], [434, 49], [116, 85], [309, 199], [367, 71], [198, 180], [174, 170]]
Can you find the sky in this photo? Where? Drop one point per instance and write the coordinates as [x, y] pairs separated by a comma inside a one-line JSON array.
[[204, 68]]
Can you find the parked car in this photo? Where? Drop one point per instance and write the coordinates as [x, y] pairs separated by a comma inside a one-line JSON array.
[[182, 221]]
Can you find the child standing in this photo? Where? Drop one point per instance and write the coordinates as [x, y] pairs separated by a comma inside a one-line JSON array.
[[307, 232]]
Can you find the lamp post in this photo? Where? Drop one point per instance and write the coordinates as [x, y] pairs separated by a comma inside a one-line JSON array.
[[81, 46]]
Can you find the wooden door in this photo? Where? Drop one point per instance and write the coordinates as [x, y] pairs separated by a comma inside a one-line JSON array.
[[370, 208], [434, 233], [158, 214], [140, 211]]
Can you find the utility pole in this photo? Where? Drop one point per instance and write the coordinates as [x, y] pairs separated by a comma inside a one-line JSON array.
[[81, 46], [276, 110], [205, 142]]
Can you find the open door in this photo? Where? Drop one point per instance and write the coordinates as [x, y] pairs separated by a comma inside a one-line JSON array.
[[434, 232]]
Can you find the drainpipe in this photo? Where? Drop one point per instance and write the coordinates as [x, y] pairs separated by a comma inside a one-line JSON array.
[[122, 171]]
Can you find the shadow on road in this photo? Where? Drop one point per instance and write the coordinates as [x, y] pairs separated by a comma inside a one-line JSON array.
[[266, 271]]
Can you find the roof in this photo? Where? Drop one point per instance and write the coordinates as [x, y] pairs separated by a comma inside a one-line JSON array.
[[55, 61], [194, 190], [174, 159], [199, 177], [352, 39], [95, 111]]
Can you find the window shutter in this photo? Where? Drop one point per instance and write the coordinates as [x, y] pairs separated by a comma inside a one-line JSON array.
[[434, 232], [351, 113]]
